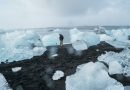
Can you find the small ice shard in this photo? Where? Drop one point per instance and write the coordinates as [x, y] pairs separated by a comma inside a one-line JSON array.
[[16, 69], [54, 55], [97, 50], [58, 75]]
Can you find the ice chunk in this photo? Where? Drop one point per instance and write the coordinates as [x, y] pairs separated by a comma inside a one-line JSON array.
[[51, 39], [74, 31], [90, 38], [19, 45], [3, 83], [115, 87], [115, 68], [79, 45], [54, 55], [126, 31], [127, 88], [108, 32], [118, 38], [119, 44], [121, 61], [119, 35], [104, 37], [16, 69], [52, 51], [91, 76], [75, 35], [97, 50], [58, 75], [37, 51], [100, 30]]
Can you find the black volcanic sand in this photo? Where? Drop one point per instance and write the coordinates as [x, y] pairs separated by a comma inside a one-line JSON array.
[[36, 73]]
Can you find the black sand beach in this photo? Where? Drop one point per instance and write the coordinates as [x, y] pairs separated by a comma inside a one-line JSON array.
[[37, 72]]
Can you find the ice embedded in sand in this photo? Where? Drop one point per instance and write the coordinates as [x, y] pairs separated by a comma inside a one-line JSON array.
[[92, 76], [120, 61], [3, 83], [16, 69], [115, 68], [58, 75]]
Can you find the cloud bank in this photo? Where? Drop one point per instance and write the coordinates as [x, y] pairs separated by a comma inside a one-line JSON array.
[[47, 13]]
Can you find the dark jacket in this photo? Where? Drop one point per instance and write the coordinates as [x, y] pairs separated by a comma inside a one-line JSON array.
[[61, 37]]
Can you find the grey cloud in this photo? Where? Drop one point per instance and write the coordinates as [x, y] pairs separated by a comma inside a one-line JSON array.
[[40, 13], [71, 7], [77, 7]]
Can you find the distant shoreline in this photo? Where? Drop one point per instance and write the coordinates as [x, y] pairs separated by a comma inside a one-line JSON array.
[[70, 27]]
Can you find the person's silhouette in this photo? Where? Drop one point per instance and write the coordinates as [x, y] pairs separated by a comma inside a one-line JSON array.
[[61, 38]]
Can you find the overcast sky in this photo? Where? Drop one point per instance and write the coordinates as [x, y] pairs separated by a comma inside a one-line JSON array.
[[44, 13]]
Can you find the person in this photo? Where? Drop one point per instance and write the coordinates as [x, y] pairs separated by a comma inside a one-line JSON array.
[[61, 38]]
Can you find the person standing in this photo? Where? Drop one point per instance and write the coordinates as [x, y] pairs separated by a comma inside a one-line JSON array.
[[61, 38]]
